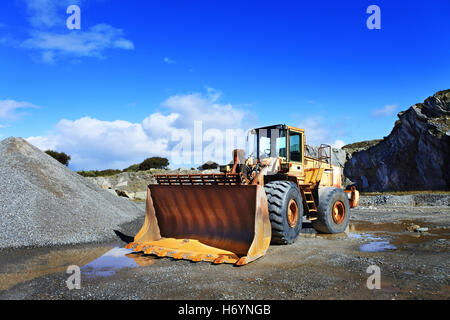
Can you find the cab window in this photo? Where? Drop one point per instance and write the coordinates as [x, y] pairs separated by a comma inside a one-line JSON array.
[[295, 146], [281, 144], [271, 143]]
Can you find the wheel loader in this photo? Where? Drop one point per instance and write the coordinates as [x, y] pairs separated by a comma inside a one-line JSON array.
[[233, 216]]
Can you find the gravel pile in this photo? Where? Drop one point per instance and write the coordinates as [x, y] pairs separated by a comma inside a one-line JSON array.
[[42, 202]]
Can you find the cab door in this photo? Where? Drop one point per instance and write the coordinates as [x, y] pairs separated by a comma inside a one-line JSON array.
[[296, 152]]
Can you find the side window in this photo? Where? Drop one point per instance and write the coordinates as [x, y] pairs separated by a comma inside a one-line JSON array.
[[281, 145], [295, 146]]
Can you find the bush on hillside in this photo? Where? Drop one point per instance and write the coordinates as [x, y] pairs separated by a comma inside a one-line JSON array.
[[60, 156], [147, 164], [96, 173], [154, 163]]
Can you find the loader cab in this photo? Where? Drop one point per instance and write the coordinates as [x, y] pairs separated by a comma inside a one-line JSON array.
[[281, 141]]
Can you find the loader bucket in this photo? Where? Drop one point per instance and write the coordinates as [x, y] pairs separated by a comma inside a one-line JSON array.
[[216, 223]]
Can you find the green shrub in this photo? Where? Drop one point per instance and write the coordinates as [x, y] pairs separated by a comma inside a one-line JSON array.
[[87, 173], [147, 164], [102, 173], [154, 163], [60, 156]]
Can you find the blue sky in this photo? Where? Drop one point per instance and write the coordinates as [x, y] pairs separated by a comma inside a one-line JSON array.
[[113, 92]]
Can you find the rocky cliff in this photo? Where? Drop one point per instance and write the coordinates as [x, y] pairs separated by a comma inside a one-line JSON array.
[[134, 183], [415, 155]]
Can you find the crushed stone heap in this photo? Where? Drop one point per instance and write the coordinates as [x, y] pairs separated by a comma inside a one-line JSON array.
[[42, 202]]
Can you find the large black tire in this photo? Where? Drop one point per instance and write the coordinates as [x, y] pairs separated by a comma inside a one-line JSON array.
[[328, 198], [282, 195]]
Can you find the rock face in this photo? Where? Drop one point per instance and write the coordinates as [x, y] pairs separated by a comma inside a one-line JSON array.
[[135, 183], [359, 146], [415, 155], [126, 181], [42, 202]]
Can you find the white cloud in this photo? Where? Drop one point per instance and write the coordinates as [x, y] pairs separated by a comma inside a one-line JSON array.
[[386, 111], [318, 132], [91, 43], [8, 108], [97, 144], [159, 125], [205, 108], [168, 61], [122, 43], [51, 39], [338, 144]]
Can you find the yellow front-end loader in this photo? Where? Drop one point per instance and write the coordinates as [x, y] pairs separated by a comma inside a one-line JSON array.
[[234, 216]]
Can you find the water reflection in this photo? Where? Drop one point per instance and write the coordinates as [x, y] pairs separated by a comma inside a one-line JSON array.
[[114, 260], [377, 246], [107, 265]]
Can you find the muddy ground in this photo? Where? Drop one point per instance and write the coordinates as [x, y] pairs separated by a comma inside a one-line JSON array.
[[413, 265]]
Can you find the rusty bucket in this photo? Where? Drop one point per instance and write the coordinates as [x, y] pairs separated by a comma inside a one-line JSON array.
[[216, 223]]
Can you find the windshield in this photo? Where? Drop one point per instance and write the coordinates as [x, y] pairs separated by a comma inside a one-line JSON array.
[[271, 143]]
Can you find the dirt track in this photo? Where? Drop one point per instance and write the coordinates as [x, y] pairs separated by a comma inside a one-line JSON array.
[[413, 266]]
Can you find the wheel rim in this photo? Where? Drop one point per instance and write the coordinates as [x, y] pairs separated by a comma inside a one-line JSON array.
[[292, 213], [338, 212]]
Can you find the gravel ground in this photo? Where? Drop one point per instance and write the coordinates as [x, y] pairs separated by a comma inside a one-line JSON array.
[[43, 203], [420, 200], [415, 266]]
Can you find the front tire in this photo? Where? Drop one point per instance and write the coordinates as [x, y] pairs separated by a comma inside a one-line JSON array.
[[333, 212], [285, 211]]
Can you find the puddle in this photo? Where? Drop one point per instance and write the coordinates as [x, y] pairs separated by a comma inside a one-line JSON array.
[[107, 265], [114, 260], [400, 226], [377, 246], [393, 236], [21, 265], [373, 246]]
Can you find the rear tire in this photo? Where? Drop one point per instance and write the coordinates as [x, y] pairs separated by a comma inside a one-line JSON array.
[[333, 212], [285, 211]]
